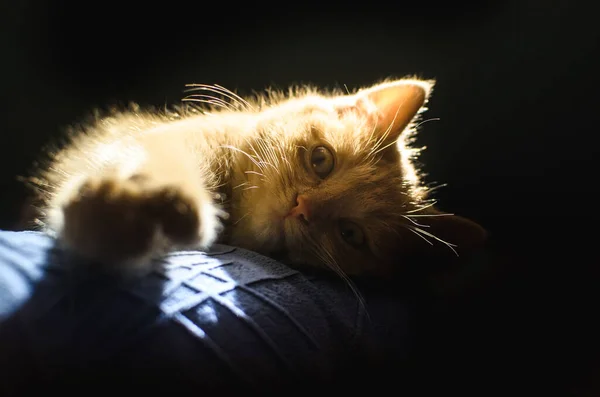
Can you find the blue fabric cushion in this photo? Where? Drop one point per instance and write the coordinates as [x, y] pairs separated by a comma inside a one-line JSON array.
[[225, 319]]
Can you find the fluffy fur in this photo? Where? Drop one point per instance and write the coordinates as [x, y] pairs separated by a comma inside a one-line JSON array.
[[245, 172]]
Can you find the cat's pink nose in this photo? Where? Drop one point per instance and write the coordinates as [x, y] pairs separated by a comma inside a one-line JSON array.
[[301, 210]]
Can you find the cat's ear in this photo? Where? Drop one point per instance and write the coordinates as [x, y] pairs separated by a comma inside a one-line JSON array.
[[391, 105]]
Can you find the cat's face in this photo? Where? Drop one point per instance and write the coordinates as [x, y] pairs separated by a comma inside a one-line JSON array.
[[334, 184]]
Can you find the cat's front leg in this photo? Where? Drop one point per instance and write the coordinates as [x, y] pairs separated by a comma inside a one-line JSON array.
[[122, 223]]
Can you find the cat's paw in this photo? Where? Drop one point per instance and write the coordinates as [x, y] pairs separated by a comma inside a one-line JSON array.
[[124, 223]]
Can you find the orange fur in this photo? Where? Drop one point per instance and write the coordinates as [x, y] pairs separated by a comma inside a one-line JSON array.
[[133, 184]]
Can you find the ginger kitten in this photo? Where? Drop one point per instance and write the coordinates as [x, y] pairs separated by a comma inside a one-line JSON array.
[[316, 179]]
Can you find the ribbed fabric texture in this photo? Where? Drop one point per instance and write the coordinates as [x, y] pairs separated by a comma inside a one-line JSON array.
[[225, 319]]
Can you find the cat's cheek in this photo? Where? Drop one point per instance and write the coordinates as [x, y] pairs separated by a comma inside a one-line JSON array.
[[256, 235]]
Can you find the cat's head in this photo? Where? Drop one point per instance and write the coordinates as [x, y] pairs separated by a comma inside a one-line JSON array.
[[335, 183]]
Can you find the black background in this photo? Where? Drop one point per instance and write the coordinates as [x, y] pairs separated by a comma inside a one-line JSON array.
[[516, 97]]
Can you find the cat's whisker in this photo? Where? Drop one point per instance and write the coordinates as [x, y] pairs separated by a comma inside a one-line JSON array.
[[421, 208], [239, 220], [219, 185], [418, 234], [331, 263], [393, 230], [413, 222], [433, 189], [254, 172], [38, 185], [447, 244], [426, 121], [59, 171], [251, 187], [426, 215]]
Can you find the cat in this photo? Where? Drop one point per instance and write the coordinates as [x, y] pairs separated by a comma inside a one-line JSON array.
[[320, 179]]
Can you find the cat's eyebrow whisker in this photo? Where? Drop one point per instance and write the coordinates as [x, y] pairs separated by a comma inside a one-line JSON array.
[[208, 99], [259, 161], [267, 150], [206, 112], [270, 151], [383, 148], [243, 152], [251, 187], [372, 134], [236, 99], [239, 98], [278, 156], [382, 139], [284, 157], [269, 164]]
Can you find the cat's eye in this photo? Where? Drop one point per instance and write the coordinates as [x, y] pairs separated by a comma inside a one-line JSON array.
[[351, 233], [322, 161]]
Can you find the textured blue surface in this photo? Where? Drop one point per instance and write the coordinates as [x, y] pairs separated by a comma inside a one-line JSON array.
[[227, 317]]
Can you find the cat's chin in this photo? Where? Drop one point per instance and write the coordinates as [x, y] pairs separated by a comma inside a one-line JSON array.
[[298, 262], [279, 244], [284, 256], [280, 255]]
